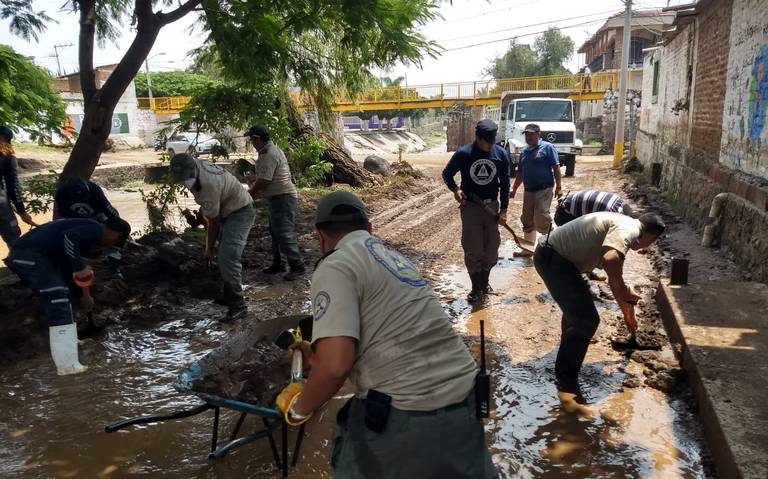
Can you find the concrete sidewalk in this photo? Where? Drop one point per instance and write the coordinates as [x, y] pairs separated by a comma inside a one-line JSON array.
[[722, 328]]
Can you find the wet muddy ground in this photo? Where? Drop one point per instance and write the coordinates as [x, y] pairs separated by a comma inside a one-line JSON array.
[[638, 419]]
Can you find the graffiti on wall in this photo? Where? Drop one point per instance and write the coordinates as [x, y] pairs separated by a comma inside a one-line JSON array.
[[758, 94]]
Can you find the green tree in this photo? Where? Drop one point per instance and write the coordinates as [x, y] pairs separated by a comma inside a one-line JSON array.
[[550, 51], [519, 61], [553, 49], [319, 45], [25, 22], [27, 99], [177, 83]]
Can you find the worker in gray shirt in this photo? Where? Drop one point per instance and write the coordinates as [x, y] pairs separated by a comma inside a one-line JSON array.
[[229, 214], [273, 182]]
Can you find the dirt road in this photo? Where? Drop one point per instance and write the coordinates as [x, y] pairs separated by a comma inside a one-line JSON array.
[[637, 422]]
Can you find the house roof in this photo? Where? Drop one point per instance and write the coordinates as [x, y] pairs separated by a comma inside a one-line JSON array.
[[657, 19], [108, 68]]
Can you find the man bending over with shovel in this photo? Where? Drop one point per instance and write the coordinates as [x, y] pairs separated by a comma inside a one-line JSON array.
[[379, 324], [596, 240], [49, 259], [484, 168]]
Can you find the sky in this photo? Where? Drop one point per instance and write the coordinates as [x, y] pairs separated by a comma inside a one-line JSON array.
[[472, 33]]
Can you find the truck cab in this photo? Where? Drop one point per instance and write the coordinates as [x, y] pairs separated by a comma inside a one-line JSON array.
[[555, 118]]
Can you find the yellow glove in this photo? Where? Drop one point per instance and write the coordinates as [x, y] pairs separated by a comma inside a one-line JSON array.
[[287, 398]]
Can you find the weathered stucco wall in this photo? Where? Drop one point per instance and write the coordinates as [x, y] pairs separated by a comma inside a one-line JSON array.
[[744, 145], [664, 119], [709, 96]]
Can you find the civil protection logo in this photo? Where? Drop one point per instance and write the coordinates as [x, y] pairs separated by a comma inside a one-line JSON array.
[[321, 304], [395, 263], [482, 171]]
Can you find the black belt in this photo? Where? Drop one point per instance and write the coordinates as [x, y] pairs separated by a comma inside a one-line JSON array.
[[539, 188]]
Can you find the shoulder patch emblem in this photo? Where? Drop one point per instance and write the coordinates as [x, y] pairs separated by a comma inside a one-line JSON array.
[[394, 262], [320, 305]]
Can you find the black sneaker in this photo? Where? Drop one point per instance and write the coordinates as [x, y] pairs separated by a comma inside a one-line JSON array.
[[294, 274], [274, 269]]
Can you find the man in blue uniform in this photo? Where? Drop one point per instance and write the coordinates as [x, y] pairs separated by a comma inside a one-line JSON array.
[[78, 198], [48, 259], [539, 173], [10, 191], [484, 168]]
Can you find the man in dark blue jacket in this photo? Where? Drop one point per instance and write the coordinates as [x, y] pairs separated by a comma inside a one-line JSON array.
[[10, 191], [49, 259], [84, 199], [484, 168]]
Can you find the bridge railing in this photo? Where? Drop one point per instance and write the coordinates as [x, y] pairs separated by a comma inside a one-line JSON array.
[[484, 89]]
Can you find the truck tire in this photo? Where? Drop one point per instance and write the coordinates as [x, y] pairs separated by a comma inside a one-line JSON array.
[[569, 160]]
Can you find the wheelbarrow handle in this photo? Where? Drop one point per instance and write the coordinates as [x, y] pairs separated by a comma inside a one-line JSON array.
[[116, 426]]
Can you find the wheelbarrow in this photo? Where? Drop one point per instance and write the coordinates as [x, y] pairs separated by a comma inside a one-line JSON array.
[[229, 352]]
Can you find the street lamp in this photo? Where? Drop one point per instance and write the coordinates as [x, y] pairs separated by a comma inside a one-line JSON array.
[[149, 78]]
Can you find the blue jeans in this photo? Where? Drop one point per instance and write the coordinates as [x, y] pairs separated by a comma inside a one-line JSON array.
[[232, 239], [282, 227], [48, 281]]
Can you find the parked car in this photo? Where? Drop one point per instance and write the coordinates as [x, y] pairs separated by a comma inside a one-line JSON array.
[[192, 143]]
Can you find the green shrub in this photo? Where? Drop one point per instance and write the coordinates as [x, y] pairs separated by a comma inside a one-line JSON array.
[[305, 155], [39, 192]]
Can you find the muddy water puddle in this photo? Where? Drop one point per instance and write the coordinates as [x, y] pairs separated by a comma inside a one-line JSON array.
[[537, 432]]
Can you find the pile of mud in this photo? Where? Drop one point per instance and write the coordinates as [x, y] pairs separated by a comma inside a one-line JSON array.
[[257, 377], [248, 367]]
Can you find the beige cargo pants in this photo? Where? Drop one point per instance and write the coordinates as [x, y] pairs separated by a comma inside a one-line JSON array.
[[536, 216], [480, 237]]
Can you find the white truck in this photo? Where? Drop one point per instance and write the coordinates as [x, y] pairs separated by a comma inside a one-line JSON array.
[[555, 118]]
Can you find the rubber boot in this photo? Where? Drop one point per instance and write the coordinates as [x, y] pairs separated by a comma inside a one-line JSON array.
[[476, 294], [63, 341], [529, 237], [236, 303], [570, 357], [485, 285]]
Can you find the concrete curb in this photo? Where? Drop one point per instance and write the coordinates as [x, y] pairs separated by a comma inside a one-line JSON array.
[[734, 426]]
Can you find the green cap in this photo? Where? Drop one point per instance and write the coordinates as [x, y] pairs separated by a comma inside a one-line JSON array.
[[329, 202], [182, 166]]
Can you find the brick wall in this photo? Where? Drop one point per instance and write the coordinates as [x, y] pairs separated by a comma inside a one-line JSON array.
[[714, 24], [744, 144]]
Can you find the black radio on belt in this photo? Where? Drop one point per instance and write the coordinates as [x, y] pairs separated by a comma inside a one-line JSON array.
[[483, 381], [377, 405]]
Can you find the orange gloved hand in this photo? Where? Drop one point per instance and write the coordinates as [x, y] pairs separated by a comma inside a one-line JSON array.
[[287, 398]]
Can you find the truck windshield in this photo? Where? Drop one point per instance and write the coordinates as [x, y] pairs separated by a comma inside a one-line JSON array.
[[543, 111]]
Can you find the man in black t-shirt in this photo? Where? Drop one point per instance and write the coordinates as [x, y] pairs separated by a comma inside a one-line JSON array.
[[484, 168]]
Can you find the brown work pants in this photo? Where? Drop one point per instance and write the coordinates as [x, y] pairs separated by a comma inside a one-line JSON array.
[[536, 215], [480, 237]]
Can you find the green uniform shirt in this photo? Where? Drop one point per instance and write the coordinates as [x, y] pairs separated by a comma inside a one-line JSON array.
[[273, 167], [220, 193], [584, 240], [406, 347]]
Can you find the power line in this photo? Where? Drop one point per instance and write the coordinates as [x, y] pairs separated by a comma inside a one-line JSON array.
[[518, 36], [525, 26], [458, 20]]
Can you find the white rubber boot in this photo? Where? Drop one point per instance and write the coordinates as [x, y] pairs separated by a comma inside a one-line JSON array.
[[63, 341]]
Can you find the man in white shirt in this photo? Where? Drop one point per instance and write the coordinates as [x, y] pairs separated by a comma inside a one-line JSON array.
[[596, 240]]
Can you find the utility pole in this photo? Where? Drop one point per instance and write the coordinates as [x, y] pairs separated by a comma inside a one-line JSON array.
[[149, 79], [618, 145], [56, 54]]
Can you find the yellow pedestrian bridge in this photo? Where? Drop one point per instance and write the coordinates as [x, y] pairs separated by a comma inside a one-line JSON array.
[[444, 95]]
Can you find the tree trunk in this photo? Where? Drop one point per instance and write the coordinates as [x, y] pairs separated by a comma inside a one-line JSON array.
[[345, 169]]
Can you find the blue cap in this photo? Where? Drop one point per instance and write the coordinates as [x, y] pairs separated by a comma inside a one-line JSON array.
[[6, 132], [486, 129]]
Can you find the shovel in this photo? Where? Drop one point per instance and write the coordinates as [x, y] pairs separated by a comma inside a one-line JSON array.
[[284, 341], [521, 243], [91, 329], [631, 343]]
